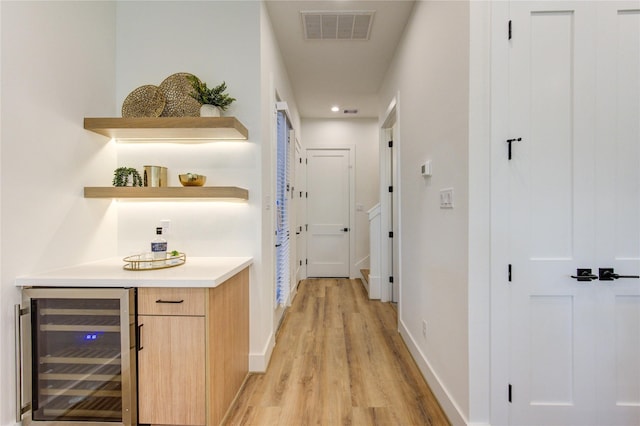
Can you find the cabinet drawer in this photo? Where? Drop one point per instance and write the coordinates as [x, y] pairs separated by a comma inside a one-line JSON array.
[[171, 301]]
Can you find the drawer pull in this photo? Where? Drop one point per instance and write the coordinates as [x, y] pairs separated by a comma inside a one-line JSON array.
[[139, 338], [169, 301]]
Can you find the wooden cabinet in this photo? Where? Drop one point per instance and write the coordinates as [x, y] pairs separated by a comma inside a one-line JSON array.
[[194, 352], [171, 366]]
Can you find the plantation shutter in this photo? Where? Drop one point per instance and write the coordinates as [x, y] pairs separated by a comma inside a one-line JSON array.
[[282, 210]]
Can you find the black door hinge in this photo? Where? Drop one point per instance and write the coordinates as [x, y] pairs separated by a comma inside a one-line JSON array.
[[510, 141], [306, 161], [390, 279], [509, 273], [509, 392], [390, 234], [390, 144], [510, 30], [306, 227], [306, 261], [300, 160], [391, 189], [306, 195], [301, 263]]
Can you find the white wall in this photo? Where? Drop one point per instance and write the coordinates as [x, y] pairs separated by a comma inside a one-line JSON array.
[[219, 40], [361, 134], [57, 67], [208, 47], [430, 78], [274, 80]]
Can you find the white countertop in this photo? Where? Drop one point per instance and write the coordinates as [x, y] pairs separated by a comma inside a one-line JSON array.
[[196, 272]]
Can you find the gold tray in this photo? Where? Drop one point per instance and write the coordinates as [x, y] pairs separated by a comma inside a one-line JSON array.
[[141, 262]]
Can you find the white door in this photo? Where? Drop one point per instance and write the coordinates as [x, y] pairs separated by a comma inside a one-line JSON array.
[[328, 212], [566, 367], [618, 212]]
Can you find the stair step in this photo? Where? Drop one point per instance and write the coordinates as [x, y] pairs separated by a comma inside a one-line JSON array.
[[365, 274]]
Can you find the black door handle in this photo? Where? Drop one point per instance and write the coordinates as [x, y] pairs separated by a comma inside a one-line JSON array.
[[607, 274], [345, 229], [584, 274]]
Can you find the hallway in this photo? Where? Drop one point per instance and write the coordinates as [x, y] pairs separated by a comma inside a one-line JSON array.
[[339, 360]]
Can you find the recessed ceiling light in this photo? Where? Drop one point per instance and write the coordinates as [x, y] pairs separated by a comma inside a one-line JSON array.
[[335, 108]]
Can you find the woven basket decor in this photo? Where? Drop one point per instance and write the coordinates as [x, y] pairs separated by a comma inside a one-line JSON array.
[[177, 90], [145, 101]]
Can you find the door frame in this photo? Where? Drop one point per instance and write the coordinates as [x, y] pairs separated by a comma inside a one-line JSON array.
[[499, 316], [390, 251], [352, 194], [299, 185]]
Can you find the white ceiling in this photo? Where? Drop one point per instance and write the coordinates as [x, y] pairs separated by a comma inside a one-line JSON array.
[[347, 73]]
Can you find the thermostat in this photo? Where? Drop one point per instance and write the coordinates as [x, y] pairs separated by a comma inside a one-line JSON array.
[[425, 169]]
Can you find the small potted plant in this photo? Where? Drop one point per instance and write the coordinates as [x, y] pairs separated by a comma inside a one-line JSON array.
[[121, 177], [213, 100]]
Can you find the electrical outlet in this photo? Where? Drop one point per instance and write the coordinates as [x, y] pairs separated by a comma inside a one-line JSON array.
[[165, 224], [424, 329]]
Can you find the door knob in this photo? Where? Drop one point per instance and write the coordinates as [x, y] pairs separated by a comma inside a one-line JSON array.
[[584, 274], [607, 274], [345, 229]]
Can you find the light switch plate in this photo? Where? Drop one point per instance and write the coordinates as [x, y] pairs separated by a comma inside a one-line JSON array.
[[446, 198]]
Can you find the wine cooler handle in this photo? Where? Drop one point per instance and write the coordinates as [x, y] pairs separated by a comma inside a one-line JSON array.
[[139, 338], [20, 409]]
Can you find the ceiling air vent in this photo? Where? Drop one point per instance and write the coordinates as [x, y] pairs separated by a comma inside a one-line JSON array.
[[337, 24], [350, 111]]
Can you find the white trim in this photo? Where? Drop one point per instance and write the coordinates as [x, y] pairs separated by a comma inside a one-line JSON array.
[[451, 409], [499, 321], [258, 362], [391, 120], [479, 229], [283, 106]]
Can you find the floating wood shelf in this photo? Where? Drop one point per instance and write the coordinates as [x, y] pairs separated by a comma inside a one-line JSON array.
[[192, 192], [168, 128]]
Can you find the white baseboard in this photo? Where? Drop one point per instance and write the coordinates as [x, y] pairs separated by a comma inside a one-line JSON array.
[[258, 362], [449, 406]]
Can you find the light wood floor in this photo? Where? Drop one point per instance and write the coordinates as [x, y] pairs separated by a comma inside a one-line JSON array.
[[339, 360]]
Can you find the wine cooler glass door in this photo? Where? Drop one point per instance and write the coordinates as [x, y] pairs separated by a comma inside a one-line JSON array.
[[81, 353]]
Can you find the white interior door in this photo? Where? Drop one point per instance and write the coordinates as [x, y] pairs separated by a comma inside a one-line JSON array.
[[328, 212], [566, 367], [618, 212]]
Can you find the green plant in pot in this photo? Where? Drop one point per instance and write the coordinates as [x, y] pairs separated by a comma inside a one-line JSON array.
[[121, 177], [213, 100]]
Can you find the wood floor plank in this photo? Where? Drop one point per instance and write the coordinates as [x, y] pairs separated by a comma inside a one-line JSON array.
[[339, 360]]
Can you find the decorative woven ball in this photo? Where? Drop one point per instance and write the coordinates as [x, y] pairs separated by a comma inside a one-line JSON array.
[[145, 101], [177, 89]]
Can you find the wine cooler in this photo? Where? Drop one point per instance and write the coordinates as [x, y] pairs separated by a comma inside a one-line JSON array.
[[76, 352]]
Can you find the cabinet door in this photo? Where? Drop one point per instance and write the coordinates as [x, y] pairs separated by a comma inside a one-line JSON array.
[[171, 366]]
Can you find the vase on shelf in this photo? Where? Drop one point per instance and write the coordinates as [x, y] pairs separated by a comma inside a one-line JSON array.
[[207, 110]]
